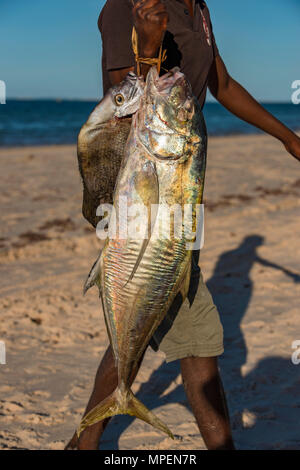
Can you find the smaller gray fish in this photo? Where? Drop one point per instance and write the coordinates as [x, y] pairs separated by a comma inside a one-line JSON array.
[[101, 143]]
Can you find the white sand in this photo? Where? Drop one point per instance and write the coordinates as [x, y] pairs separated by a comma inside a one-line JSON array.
[[54, 337]]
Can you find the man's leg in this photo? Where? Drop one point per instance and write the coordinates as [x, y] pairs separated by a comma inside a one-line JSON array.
[[204, 392], [106, 382], [206, 397]]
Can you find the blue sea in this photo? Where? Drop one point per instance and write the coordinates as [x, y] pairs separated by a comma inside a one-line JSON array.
[[48, 122]]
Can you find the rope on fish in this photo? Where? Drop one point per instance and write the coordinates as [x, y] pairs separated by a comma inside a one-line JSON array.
[[146, 60]]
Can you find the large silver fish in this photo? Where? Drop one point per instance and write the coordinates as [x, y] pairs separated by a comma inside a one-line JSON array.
[[139, 277], [101, 143]]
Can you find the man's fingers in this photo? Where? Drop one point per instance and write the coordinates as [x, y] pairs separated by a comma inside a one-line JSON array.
[[158, 18], [144, 14], [146, 7], [150, 19], [144, 3], [142, 8], [154, 14], [147, 3]]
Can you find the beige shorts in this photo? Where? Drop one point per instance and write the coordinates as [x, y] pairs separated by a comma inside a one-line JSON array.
[[192, 327]]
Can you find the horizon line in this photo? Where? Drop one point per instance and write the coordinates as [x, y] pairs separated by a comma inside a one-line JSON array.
[[59, 99]]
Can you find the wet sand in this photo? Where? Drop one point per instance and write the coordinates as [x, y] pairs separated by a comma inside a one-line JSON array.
[[55, 338]]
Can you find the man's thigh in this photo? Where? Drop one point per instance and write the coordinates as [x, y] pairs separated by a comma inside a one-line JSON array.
[[191, 329]]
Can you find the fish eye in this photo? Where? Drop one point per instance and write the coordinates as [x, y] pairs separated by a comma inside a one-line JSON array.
[[119, 99]]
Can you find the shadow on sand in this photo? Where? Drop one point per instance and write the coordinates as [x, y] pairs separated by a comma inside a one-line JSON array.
[[268, 395]]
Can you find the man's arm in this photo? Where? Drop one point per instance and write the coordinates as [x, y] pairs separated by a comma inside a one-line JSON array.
[[269, 264], [239, 102], [150, 19]]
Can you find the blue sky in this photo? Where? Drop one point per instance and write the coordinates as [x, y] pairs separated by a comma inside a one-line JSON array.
[[52, 48]]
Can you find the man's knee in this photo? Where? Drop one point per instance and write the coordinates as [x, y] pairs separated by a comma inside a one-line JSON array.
[[199, 367]]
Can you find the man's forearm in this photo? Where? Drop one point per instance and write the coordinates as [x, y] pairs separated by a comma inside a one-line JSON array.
[[239, 102]]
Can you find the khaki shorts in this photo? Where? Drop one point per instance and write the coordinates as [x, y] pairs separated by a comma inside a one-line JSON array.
[[192, 327]]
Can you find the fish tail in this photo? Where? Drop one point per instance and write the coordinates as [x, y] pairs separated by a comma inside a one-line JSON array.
[[106, 408], [138, 409], [122, 402]]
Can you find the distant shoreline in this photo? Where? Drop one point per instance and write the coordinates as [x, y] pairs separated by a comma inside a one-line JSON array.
[[253, 135], [96, 100], [58, 122]]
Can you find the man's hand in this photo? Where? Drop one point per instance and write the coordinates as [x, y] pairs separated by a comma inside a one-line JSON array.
[[293, 146], [150, 19]]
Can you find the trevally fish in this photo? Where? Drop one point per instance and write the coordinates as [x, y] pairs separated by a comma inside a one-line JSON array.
[[101, 143], [139, 277]]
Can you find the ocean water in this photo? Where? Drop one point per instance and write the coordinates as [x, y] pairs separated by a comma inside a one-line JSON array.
[[48, 122]]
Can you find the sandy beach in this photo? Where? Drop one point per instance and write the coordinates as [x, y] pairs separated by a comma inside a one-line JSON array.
[[55, 337]]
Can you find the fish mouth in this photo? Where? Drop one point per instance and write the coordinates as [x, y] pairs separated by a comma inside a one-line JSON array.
[[136, 80], [169, 81], [171, 99], [137, 84]]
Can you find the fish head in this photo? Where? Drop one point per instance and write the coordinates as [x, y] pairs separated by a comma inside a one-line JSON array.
[[167, 116], [121, 100], [125, 96], [170, 99]]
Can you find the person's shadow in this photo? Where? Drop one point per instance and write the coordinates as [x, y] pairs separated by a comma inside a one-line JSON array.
[[231, 288]]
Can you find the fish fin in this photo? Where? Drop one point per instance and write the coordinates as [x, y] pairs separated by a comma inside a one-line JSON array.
[[150, 197], [122, 402], [185, 285], [93, 275], [106, 408], [136, 408], [139, 259]]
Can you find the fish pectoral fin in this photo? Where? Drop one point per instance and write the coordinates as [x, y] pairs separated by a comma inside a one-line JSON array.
[[137, 263], [122, 402], [93, 275], [147, 186]]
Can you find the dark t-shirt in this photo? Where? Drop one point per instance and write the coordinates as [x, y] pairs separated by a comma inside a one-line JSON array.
[[190, 42]]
